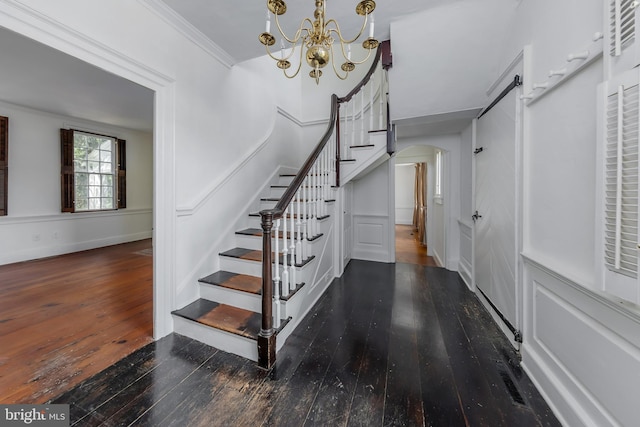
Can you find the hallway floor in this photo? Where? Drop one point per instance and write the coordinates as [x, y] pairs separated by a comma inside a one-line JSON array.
[[409, 249], [388, 344]]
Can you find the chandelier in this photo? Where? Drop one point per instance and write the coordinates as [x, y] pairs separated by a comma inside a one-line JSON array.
[[318, 38]]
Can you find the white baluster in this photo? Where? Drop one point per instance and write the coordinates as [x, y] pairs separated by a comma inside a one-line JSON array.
[[298, 230], [292, 251], [381, 101], [345, 137], [315, 203], [353, 123], [371, 88], [361, 116], [323, 169], [285, 252], [276, 280], [312, 206]]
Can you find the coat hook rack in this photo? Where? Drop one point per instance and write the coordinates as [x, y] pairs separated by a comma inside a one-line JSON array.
[[576, 61], [580, 55], [561, 72]]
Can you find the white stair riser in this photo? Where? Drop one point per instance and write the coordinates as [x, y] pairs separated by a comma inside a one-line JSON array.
[[231, 297], [255, 242], [252, 268], [284, 180], [219, 339]]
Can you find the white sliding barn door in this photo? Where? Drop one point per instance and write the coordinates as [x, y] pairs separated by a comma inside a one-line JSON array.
[[495, 244]]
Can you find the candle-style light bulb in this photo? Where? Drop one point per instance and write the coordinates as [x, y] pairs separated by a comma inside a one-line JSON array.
[[268, 25], [349, 52], [372, 26], [282, 48]]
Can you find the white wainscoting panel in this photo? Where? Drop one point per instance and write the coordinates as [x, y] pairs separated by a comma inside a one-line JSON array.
[[582, 350], [465, 264], [371, 238]]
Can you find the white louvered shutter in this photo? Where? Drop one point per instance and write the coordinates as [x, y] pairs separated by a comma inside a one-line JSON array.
[[620, 187], [621, 182], [622, 24]]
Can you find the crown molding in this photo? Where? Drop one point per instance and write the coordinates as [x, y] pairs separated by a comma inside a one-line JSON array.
[[181, 25]]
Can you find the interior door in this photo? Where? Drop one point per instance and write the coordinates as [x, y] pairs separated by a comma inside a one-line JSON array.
[[495, 243]]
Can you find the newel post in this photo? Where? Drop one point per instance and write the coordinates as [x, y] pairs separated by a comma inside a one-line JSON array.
[[267, 337]]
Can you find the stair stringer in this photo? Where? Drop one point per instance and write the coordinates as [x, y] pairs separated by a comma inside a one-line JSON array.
[[366, 159]]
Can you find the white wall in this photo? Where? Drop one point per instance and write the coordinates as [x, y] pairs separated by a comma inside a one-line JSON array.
[[452, 74], [35, 225], [405, 188]]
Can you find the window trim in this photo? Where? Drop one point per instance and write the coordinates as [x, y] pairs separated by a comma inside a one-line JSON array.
[[67, 174], [439, 163], [4, 164]]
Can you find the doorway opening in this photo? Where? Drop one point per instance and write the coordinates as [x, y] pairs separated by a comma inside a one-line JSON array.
[[67, 310], [417, 183]]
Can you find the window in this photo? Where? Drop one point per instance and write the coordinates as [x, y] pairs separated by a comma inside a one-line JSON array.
[[438, 190], [4, 164], [93, 172]]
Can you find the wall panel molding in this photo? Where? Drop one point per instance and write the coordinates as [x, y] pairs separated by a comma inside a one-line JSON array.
[[581, 350]]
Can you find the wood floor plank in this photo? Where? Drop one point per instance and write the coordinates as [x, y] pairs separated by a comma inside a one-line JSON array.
[[403, 401], [440, 398], [475, 391], [66, 318]]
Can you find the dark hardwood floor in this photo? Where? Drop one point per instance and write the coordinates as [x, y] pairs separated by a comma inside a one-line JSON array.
[[387, 345], [66, 318]]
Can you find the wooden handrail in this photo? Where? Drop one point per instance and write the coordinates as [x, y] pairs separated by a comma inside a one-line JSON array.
[[366, 78]]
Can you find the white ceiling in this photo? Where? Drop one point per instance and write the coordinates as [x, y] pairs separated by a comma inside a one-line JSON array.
[[235, 25], [37, 76]]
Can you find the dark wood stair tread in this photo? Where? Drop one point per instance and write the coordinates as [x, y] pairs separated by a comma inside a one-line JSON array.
[[234, 320], [227, 318], [238, 282], [362, 146], [256, 255]]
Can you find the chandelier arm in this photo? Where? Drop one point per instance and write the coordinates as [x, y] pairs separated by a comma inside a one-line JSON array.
[[275, 58], [298, 33], [335, 70], [339, 32], [364, 60], [297, 71]]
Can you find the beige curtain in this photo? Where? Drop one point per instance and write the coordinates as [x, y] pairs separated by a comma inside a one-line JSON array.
[[419, 207]]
